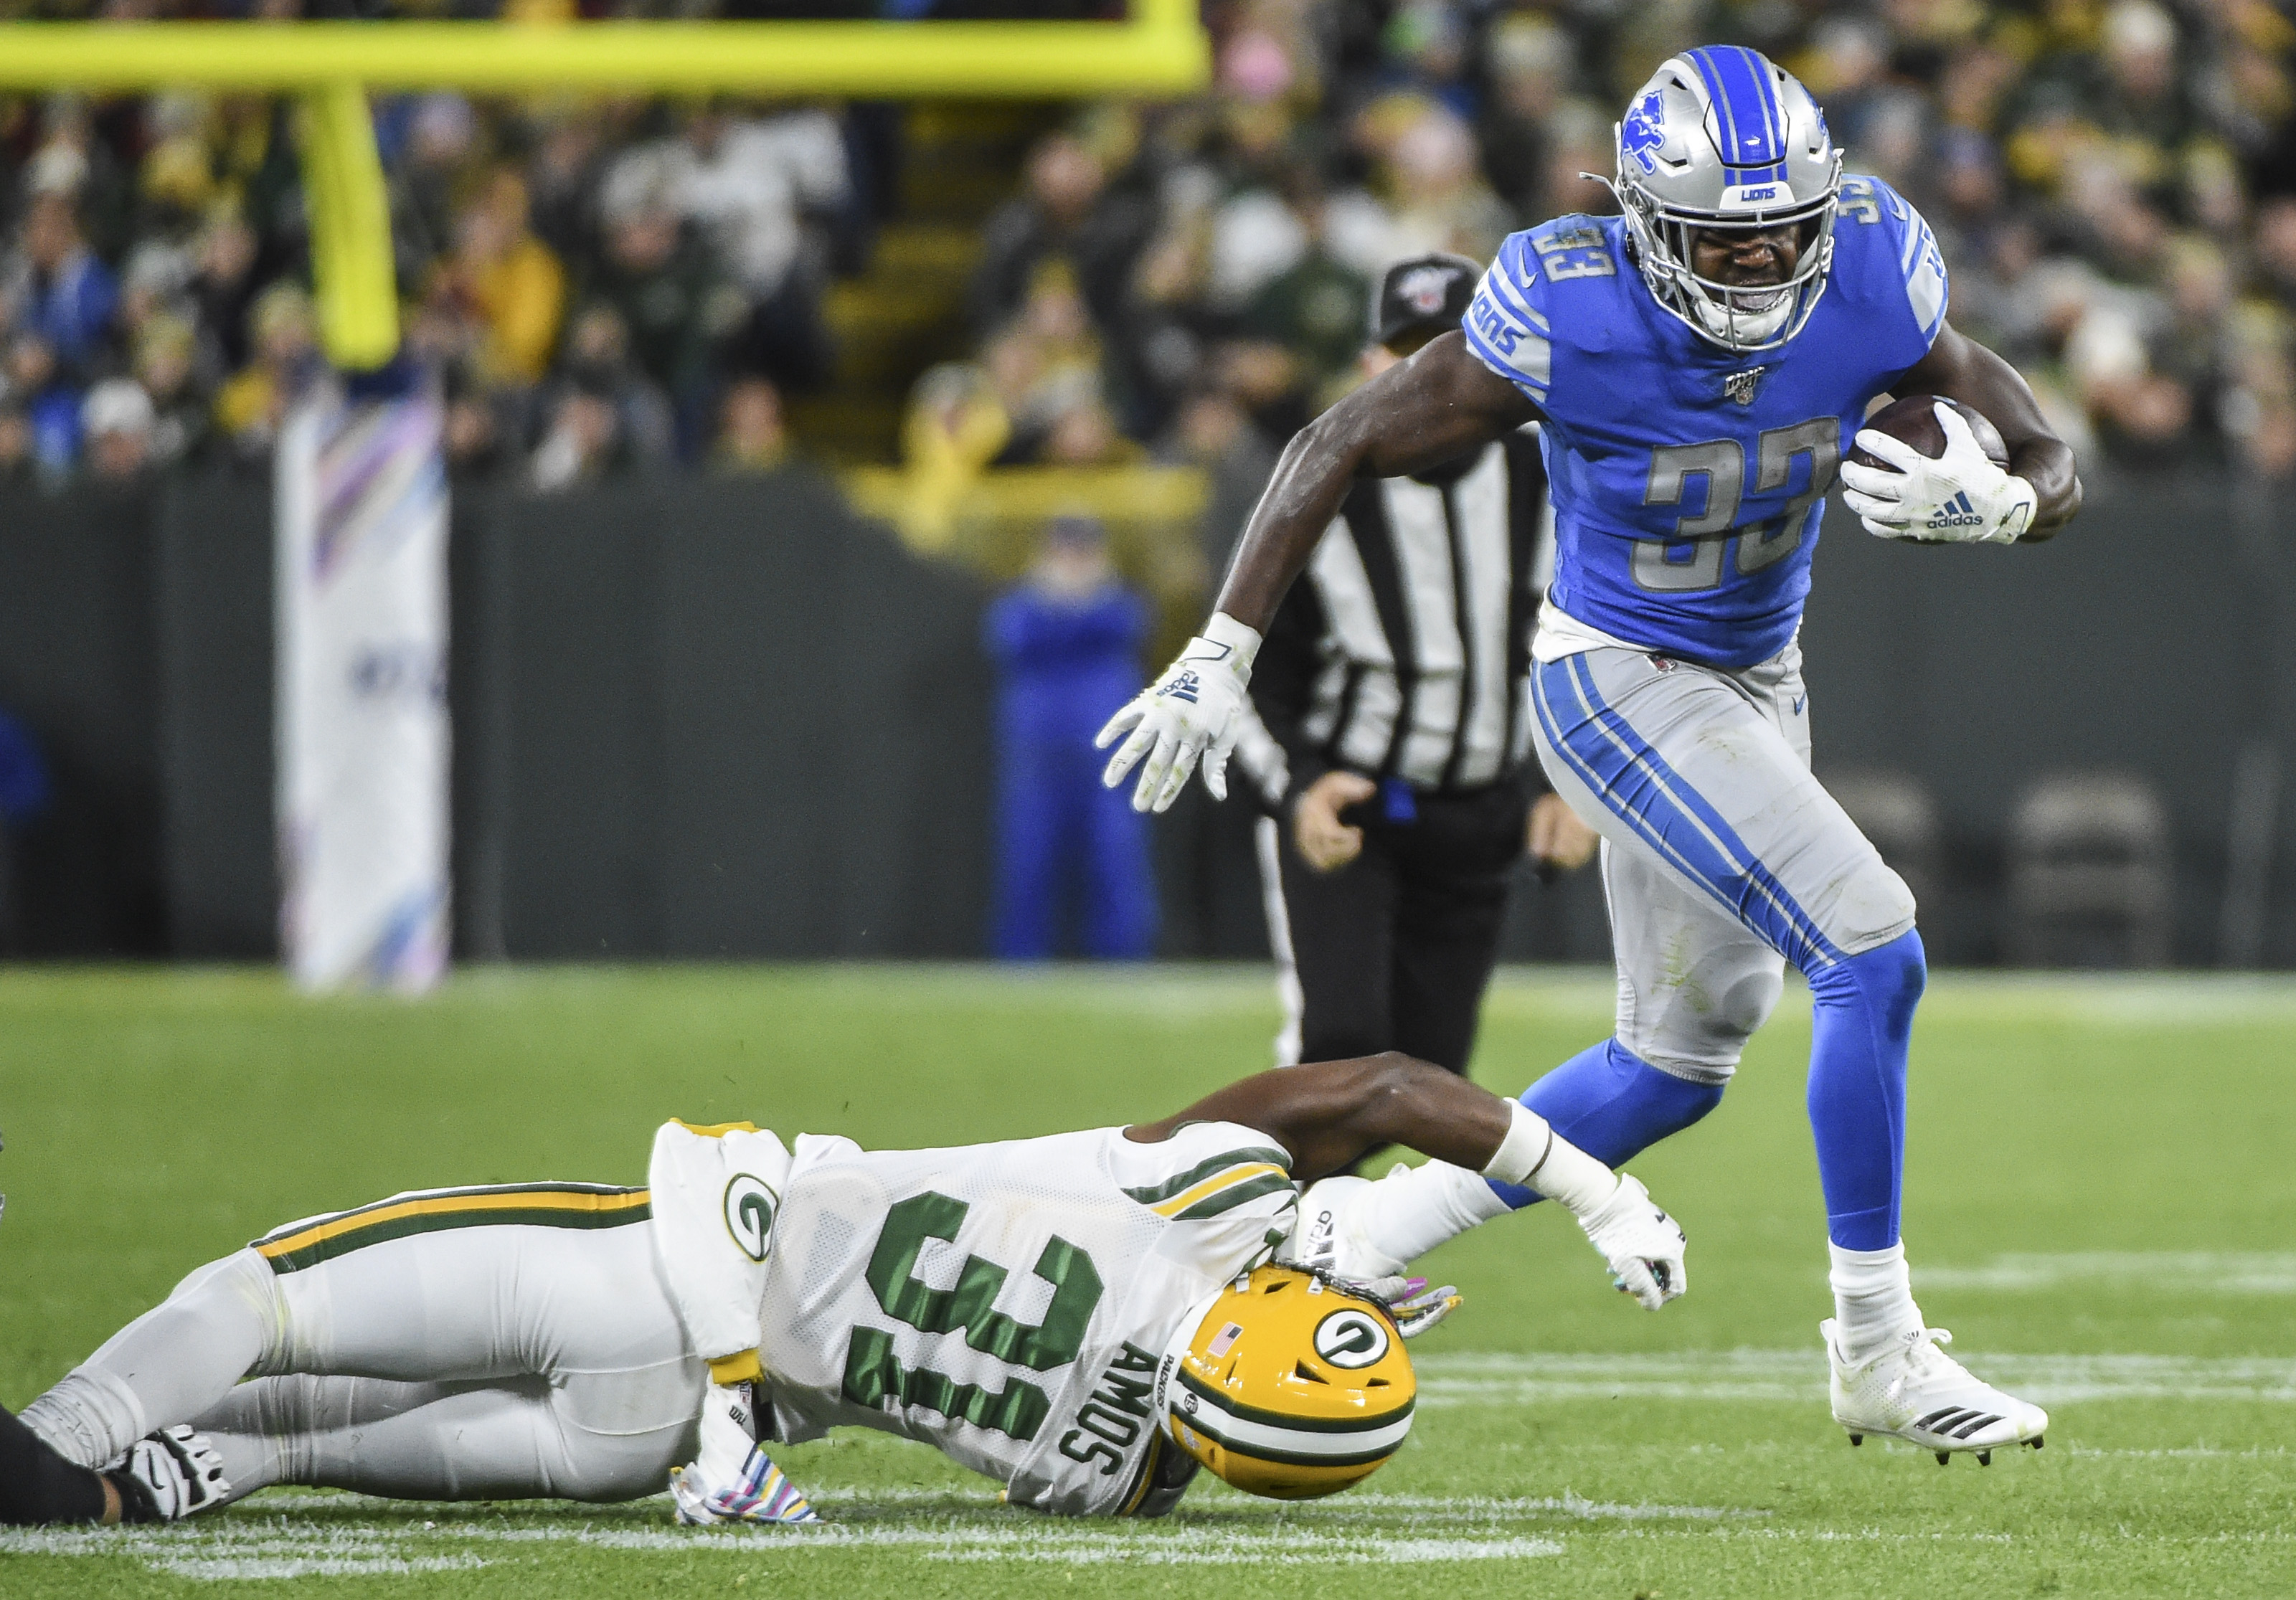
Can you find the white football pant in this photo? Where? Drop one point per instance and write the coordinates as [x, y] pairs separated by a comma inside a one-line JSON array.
[[484, 1361]]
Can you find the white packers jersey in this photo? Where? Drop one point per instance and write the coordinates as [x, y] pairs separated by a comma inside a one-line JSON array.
[[1008, 1304]]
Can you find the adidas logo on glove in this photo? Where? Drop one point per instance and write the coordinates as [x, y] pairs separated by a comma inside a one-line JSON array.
[[1957, 513]]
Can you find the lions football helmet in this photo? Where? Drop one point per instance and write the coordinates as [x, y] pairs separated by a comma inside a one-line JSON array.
[[1287, 1384], [1724, 137]]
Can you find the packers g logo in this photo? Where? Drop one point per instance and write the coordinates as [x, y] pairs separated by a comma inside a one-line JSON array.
[[750, 1214], [1350, 1338]]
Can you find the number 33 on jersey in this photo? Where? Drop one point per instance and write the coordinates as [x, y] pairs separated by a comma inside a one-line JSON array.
[[1688, 481]]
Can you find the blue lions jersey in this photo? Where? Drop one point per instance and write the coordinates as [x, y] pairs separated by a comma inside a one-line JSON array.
[[1688, 481]]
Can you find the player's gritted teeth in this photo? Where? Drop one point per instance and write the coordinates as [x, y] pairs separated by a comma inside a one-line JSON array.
[[1746, 258]]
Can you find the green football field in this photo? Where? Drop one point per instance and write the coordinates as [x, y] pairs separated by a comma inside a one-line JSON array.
[[2102, 1185]]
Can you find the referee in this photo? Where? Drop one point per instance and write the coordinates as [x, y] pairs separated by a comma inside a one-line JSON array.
[[1394, 745]]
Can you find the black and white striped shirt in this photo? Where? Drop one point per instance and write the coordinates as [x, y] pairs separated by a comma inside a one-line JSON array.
[[1404, 649]]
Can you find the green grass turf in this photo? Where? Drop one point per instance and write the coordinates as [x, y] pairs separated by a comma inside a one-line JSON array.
[[2099, 1169]]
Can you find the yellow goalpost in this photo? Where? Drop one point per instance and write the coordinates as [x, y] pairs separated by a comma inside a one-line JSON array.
[[1158, 50]]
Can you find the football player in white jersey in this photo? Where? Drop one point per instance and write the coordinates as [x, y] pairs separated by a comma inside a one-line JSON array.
[[1087, 1317]]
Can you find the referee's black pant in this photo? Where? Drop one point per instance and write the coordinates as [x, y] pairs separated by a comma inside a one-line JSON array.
[[1393, 951]]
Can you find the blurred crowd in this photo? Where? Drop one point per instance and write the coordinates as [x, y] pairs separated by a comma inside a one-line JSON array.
[[2113, 181], [607, 286], [601, 286]]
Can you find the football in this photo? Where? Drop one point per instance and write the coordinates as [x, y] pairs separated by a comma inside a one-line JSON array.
[[1913, 420]]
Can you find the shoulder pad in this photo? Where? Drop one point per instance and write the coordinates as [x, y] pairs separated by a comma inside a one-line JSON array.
[[1904, 252]]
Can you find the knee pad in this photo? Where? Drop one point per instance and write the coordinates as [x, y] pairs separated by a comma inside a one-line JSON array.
[[1698, 1029], [1875, 907], [1747, 1003]]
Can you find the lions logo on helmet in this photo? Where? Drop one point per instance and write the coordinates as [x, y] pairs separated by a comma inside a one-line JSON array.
[[1287, 1385], [1644, 130]]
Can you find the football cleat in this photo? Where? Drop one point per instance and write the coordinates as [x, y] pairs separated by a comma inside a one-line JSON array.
[[1912, 1391], [762, 1493], [167, 1476]]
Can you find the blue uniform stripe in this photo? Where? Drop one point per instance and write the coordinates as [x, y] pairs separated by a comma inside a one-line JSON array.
[[1774, 125], [1503, 291], [1773, 111], [1489, 355], [1644, 792], [1698, 59], [1751, 133]]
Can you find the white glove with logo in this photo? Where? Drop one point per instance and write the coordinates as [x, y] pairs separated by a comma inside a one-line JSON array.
[[1957, 498], [1415, 1307], [1643, 1245], [1190, 712]]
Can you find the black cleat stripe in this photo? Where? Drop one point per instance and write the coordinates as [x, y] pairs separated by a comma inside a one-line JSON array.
[[1983, 1419], [1938, 1422]]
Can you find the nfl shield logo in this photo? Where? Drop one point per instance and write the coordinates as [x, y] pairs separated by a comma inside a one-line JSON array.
[[1425, 289], [1740, 386]]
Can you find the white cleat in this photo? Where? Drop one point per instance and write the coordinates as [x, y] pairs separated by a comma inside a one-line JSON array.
[[1915, 1391]]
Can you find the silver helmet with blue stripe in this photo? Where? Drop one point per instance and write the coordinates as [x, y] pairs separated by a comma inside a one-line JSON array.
[[1722, 137]]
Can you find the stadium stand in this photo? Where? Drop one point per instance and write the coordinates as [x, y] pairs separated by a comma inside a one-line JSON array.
[[2112, 182]]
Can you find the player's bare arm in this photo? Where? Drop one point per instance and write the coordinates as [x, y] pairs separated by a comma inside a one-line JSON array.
[[1961, 369], [1329, 1112], [1440, 403], [1418, 414]]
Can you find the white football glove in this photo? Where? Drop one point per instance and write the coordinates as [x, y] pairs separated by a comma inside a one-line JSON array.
[[1643, 1245], [1415, 1307], [733, 1480], [1957, 498], [1190, 712], [173, 1472]]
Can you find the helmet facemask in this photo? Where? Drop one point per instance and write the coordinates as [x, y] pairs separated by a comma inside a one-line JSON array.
[[1745, 318]]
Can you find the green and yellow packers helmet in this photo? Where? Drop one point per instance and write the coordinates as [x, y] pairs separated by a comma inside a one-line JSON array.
[[1286, 1384]]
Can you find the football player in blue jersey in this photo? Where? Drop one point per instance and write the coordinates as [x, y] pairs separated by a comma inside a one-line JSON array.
[[1697, 367]]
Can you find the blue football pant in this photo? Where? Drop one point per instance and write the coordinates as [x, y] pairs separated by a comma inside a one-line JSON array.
[[1063, 838], [1723, 859]]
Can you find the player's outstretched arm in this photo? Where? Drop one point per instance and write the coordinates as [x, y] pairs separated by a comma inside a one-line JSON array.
[[1441, 403], [1961, 369], [1328, 1113]]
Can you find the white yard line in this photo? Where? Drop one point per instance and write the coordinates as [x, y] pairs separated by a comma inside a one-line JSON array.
[[1527, 1379], [2175, 1272]]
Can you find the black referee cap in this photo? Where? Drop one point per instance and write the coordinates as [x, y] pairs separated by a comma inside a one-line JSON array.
[[1421, 298]]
